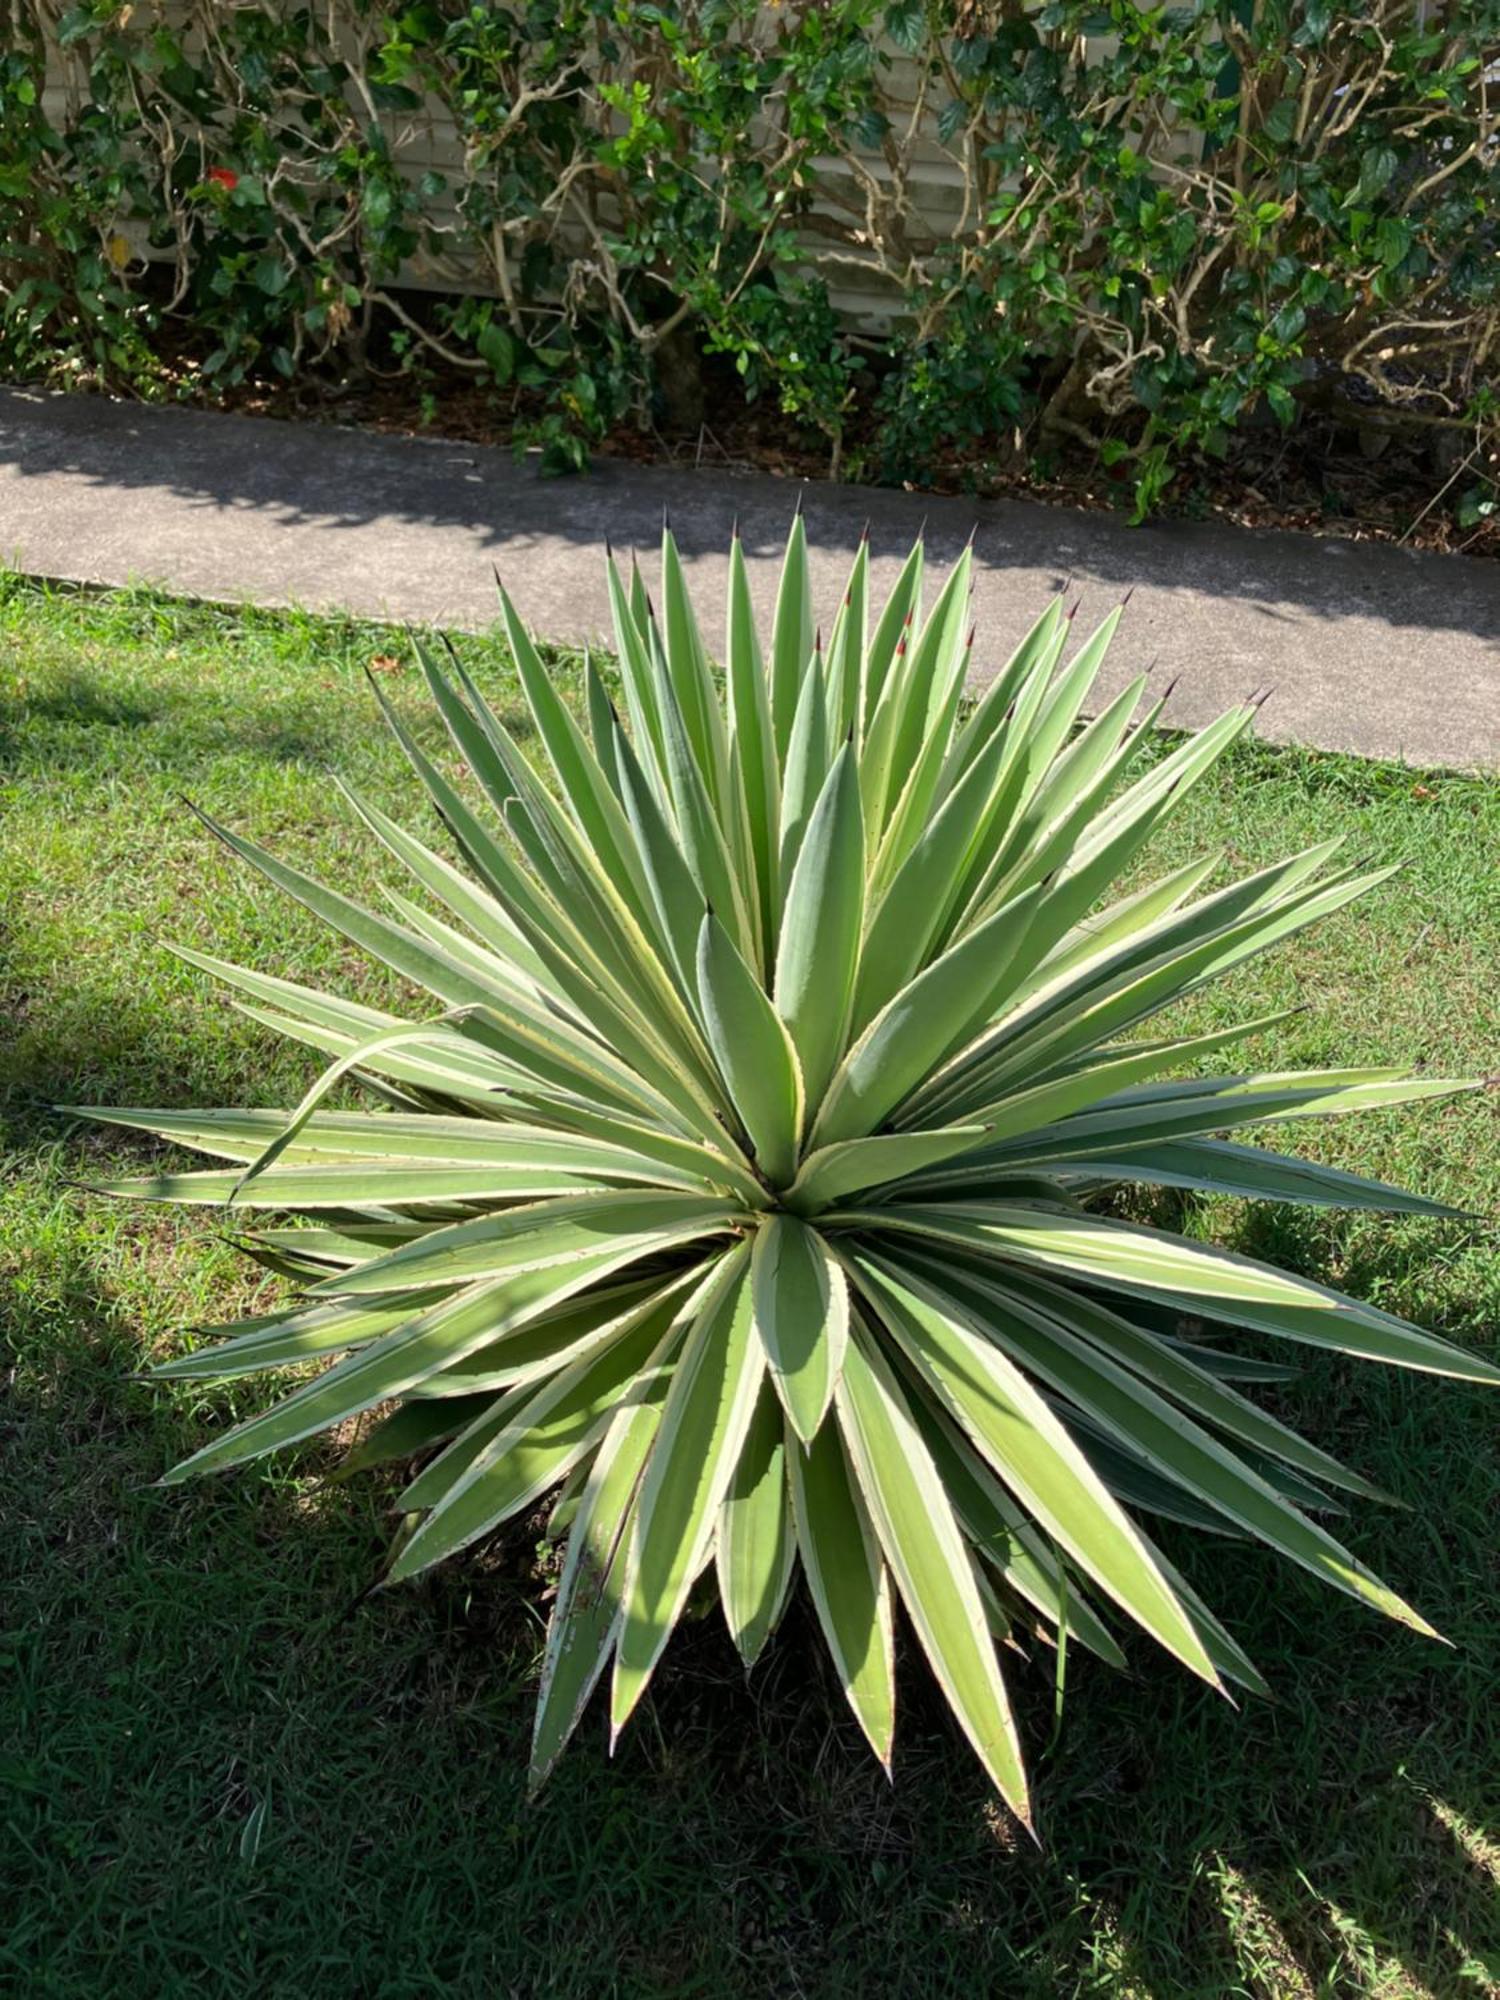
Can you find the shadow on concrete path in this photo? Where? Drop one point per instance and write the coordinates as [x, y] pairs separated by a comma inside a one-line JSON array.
[[1371, 648]]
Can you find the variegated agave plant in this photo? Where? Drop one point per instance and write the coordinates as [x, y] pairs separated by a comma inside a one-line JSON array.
[[737, 1186]]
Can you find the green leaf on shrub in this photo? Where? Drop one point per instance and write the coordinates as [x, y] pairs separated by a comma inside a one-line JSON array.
[[496, 346], [1078, 244]]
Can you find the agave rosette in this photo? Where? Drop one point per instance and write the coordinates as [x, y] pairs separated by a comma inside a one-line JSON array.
[[735, 1185]]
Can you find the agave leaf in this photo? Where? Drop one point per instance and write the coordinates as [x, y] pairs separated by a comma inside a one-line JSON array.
[[915, 1526], [1043, 837], [409, 1429], [1224, 1364], [1046, 729], [912, 910], [801, 1302], [715, 1387], [922, 1024], [542, 1049], [922, 779], [1134, 1481], [1001, 1534], [449, 1072], [1109, 999], [752, 738], [601, 719], [347, 1017], [1292, 1486], [1128, 917], [566, 1500], [640, 602], [234, 1134], [352, 1243], [1164, 789], [792, 637], [701, 836], [572, 928], [462, 946], [1089, 767], [631, 624], [850, 1165], [1057, 1000], [555, 1344], [753, 1050], [1015, 1430], [1008, 742], [586, 1615], [602, 1232], [490, 914], [846, 650], [487, 746], [1229, 1657], [570, 1332], [676, 893], [1070, 691], [1151, 1263], [920, 699], [755, 1545], [1215, 1166], [821, 925], [994, 713], [303, 1333], [682, 1162], [442, 1334], [848, 1581], [642, 1019], [1174, 1373], [1181, 1109], [393, 946], [550, 1431], [1169, 1441], [421, 1034], [497, 1416], [809, 758], [901, 615], [583, 785], [502, 960], [690, 679], [1058, 1101]]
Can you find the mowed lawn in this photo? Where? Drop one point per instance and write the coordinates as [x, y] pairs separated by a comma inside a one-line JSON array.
[[226, 1771]]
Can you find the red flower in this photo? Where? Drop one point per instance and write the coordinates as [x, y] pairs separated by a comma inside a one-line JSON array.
[[224, 177]]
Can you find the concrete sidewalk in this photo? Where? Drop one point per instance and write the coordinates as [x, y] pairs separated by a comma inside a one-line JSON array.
[[1368, 648]]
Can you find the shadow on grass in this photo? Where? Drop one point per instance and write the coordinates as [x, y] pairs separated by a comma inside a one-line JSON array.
[[299, 729], [222, 1755], [292, 690]]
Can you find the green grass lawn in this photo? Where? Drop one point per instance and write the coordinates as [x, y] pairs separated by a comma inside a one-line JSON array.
[[224, 1772]]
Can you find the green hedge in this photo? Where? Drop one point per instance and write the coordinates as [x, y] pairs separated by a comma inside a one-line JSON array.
[[1175, 220]]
